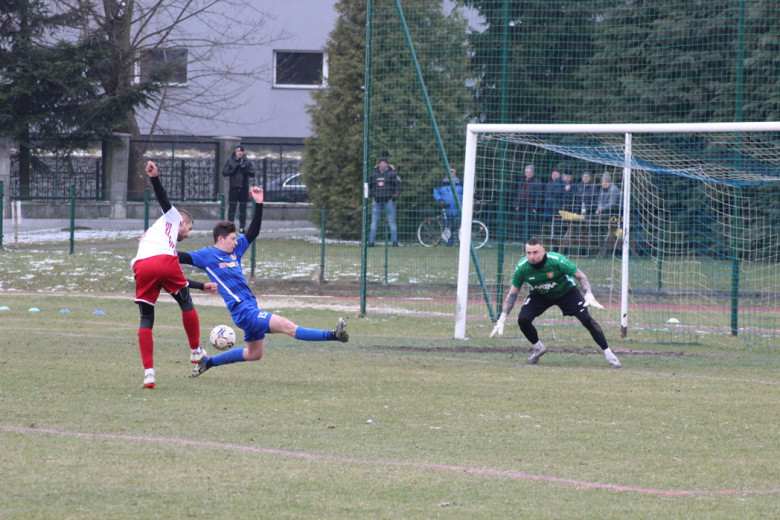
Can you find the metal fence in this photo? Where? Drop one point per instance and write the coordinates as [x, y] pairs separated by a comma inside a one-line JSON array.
[[188, 170], [53, 172]]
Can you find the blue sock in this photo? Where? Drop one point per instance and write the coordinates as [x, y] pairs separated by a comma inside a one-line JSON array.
[[235, 355], [314, 334]]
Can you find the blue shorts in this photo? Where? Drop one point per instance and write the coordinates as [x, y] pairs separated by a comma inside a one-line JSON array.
[[253, 321]]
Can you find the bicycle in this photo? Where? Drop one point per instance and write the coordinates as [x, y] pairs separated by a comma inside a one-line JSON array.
[[433, 230]]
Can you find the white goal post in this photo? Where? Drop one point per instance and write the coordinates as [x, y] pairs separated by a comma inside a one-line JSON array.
[[616, 159]]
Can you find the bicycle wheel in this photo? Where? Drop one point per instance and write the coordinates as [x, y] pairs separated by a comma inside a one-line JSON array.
[[429, 232], [479, 234]]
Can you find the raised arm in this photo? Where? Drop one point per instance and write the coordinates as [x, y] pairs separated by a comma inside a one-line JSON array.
[[159, 190], [254, 227]]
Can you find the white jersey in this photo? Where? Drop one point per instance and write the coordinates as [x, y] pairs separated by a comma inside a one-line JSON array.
[[161, 238]]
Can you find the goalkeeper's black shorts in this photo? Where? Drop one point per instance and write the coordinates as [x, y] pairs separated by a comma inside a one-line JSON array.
[[571, 303]]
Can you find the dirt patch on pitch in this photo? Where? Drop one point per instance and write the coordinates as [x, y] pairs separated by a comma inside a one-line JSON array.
[[523, 350]]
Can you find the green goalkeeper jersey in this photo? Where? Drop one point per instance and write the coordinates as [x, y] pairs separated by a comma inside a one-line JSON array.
[[552, 280]]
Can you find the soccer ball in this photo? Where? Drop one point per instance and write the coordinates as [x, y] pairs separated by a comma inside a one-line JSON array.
[[222, 337]]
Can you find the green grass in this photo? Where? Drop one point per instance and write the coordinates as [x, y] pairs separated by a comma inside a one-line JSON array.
[[706, 421]]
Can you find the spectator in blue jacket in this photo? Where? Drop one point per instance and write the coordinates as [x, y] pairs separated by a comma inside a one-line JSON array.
[[446, 199]]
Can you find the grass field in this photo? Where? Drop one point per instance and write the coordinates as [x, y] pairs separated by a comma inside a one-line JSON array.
[[457, 430]]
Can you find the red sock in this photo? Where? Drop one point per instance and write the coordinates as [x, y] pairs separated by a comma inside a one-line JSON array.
[[146, 342], [191, 327]]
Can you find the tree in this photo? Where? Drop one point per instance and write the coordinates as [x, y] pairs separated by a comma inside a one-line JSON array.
[[49, 88], [400, 123], [198, 38]]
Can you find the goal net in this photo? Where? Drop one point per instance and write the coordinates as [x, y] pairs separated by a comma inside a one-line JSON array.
[[688, 251]]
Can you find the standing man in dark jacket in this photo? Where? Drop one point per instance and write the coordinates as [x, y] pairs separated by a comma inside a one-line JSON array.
[[530, 196], [238, 169], [384, 187]]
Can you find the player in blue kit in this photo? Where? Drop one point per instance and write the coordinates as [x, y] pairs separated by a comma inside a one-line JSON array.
[[222, 264]]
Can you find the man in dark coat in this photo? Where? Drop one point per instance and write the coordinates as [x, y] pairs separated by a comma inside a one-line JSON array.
[[238, 169]]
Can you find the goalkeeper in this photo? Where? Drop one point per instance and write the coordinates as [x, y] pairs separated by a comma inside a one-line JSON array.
[[550, 276]]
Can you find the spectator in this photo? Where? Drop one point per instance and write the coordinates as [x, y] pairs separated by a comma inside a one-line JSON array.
[[530, 196], [567, 196], [608, 197], [446, 199], [384, 187], [586, 194], [553, 196], [238, 169]]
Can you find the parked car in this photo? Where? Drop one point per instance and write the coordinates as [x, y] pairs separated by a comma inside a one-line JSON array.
[[289, 188]]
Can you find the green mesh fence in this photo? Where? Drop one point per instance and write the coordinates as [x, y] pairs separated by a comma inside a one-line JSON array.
[[436, 66]]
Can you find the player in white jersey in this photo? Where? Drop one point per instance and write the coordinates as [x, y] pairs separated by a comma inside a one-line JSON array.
[[156, 266]]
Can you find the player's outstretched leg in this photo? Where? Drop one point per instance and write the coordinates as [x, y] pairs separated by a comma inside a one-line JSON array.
[[281, 325]]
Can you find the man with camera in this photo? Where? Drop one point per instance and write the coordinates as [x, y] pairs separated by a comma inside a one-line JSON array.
[[238, 169]]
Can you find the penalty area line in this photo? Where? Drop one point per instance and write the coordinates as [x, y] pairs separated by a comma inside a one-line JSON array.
[[421, 465]]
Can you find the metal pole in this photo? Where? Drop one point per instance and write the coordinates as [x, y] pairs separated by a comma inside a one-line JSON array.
[[72, 216], [322, 247], [146, 209], [183, 173], [221, 206], [626, 242], [501, 220], [387, 233], [253, 254], [366, 125], [735, 268]]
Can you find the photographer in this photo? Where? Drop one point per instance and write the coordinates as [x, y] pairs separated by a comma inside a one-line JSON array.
[[238, 169]]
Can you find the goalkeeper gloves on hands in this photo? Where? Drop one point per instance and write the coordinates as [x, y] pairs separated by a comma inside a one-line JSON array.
[[590, 301], [499, 328]]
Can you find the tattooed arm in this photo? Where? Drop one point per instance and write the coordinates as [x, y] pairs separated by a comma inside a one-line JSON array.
[[580, 276]]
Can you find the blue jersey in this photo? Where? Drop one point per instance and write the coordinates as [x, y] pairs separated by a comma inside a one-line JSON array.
[[225, 270]]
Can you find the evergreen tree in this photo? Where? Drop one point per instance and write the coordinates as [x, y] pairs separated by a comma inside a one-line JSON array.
[[400, 124], [50, 91]]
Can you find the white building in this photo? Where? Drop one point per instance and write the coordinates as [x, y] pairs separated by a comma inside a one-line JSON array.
[[271, 110]]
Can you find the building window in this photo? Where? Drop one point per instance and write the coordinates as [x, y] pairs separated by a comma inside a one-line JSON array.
[[165, 61], [300, 69]]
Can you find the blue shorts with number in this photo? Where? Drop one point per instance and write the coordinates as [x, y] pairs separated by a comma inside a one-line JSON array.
[[253, 321]]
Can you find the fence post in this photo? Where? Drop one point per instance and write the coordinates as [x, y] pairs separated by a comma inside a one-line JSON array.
[[322, 247], [183, 174], [72, 215], [146, 209], [221, 206], [253, 255], [265, 174], [387, 234], [2, 205]]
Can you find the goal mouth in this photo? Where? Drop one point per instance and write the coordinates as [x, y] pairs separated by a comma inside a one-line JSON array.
[[691, 253]]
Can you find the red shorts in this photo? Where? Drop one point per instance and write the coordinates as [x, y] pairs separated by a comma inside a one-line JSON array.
[[154, 273]]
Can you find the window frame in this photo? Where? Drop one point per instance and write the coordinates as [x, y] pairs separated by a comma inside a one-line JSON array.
[[322, 85]]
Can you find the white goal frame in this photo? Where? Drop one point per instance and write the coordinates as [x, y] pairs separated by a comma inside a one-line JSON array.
[[469, 175]]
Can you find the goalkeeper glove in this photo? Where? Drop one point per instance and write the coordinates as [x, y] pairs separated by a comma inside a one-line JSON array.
[[499, 328], [590, 301]]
